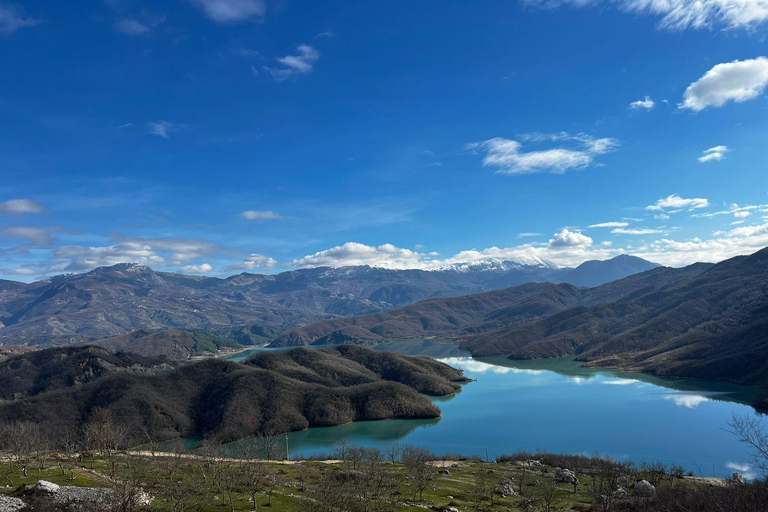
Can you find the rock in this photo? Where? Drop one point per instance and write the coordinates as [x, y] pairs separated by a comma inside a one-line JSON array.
[[444, 472], [620, 493], [645, 489], [738, 478], [455, 465], [9, 504], [453, 509], [45, 487], [505, 488], [566, 476]]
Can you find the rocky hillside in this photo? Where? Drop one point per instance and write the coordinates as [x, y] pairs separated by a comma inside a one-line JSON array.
[[272, 393], [117, 300], [171, 343], [474, 314], [713, 325]]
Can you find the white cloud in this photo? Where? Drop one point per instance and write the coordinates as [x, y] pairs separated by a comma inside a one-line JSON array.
[[645, 104], [621, 382], [564, 248], [507, 155], [610, 225], [294, 65], [148, 251], [21, 206], [738, 241], [41, 236], [684, 14], [715, 153], [138, 26], [252, 262], [261, 215], [635, 231], [528, 234], [160, 128], [231, 11], [13, 17], [689, 401], [472, 365], [566, 238], [675, 203], [736, 210], [737, 81], [196, 269]]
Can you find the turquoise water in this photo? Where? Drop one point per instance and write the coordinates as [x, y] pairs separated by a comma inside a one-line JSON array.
[[555, 405]]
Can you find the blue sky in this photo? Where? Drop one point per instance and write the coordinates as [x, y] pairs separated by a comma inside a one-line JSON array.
[[221, 136]]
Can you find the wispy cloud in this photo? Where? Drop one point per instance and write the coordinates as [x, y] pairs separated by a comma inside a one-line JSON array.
[[232, 11], [682, 14], [21, 206], [13, 17], [253, 262], [610, 225], [675, 203], [635, 231], [261, 215], [713, 154], [160, 128], [138, 25], [294, 65], [737, 81], [572, 152], [645, 104], [36, 235]]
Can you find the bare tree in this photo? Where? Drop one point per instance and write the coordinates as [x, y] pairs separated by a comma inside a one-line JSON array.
[[393, 450], [421, 472], [751, 431]]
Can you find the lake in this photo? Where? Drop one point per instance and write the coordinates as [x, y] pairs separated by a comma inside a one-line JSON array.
[[555, 405]]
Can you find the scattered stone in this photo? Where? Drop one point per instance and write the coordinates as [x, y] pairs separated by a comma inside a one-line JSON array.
[[72, 494], [620, 493], [566, 476], [45, 487], [9, 504], [645, 489], [444, 472], [455, 465], [453, 509], [505, 488]]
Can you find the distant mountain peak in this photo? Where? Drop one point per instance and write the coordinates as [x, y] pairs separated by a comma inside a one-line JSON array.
[[499, 264]]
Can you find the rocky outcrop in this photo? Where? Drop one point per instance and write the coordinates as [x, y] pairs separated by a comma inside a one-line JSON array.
[[566, 476], [645, 489]]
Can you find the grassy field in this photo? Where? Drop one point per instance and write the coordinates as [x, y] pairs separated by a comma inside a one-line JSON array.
[[209, 483]]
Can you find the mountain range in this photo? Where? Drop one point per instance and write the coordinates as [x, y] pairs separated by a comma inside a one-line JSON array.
[[706, 321], [117, 300]]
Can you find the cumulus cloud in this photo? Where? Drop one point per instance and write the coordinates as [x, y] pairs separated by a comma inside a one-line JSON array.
[[610, 225], [738, 241], [164, 251], [40, 236], [645, 104], [566, 247], [21, 206], [13, 17], [684, 14], [160, 128], [261, 215], [252, 262], [713, 154], [566, 238], [232, 11], [675, 203], [293, 65], [737, 81], [575, 152], [196, 269]]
